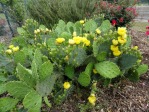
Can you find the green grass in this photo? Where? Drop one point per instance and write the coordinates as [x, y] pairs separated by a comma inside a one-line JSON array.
[[140, 26]]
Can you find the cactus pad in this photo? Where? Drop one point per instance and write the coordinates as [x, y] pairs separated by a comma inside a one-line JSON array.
[[107, 69], [84, 79]]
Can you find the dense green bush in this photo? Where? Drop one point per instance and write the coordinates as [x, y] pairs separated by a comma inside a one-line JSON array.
[[48, 12]]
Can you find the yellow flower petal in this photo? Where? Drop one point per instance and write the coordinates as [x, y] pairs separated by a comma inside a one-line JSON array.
[[82, 21], [98, 31], [92, 99], [60, 40], [121, 40], [71, 42], [15, 49], [114, 48], [115, 42], [117, 53], [11, 46], [66, 85], [122, 31], [8, 51]]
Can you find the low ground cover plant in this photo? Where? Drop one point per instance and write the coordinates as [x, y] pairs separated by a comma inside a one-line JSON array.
[[45, 66]]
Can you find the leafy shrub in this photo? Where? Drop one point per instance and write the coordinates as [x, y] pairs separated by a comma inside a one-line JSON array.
[[50, 64], [66, 10], [119, 13], [2, 24]]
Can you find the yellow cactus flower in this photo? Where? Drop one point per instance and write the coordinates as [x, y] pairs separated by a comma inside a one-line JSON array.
[[124, 36], [122, 31], [114, 48], [98, 31], [82, 21], [87, 43], [95, 71], [8, 51], [66, 85], [47, 30], [71, 42], [115, 42], [121, 40], [15, 49], [116, 53], [74, 34], [135, 48], [35, 32], [60, 40], [11, 46], [38, 30], [77, 39], [92, 99]]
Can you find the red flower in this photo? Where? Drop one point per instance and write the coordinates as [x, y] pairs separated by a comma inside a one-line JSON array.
[[147, 33], [147, 27], [113, 22], [121, 19]]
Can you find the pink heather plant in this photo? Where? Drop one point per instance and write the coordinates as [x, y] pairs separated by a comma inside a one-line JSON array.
[[147, 30]]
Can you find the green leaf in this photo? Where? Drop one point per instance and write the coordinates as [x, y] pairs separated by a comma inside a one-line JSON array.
[[90, 26], [127, 61], [45, 87], [105, 26], [7, 104], [60, 27], [42, 27], [45, 70], [69, 71], [38, 58], [101, 56], [133, 75], [32, 102], [20, 57], [2, 88], [34, 70], [89, 68], [95, 48], [84, 79], [66, 35], [107, 69], [142, 69], [21, 31], [25, 75], [18, 89], [51, 43]]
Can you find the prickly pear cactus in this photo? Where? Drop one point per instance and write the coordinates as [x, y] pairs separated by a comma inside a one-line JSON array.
[[69, 72], [107, 69], [127, 61], [84, 79], [89, 68], [77, 57], [20, 57], [142, 69]]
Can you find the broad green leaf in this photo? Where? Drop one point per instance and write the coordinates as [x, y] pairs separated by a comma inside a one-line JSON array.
[[45, 70], [66, 35], [142, 69], [38, 58], [21, 31], [84, 79], [2, 88], [34, 70], [7, 104], [20, 57], [107, 69], [89, 68], [60, 27], [45, 87], [105, 26], [18, 89], [51, 43], [32, 101], [69, 71], [90, 26], [127, 61], [2, 78], [42, 27], [95, 48], [25, 75]]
